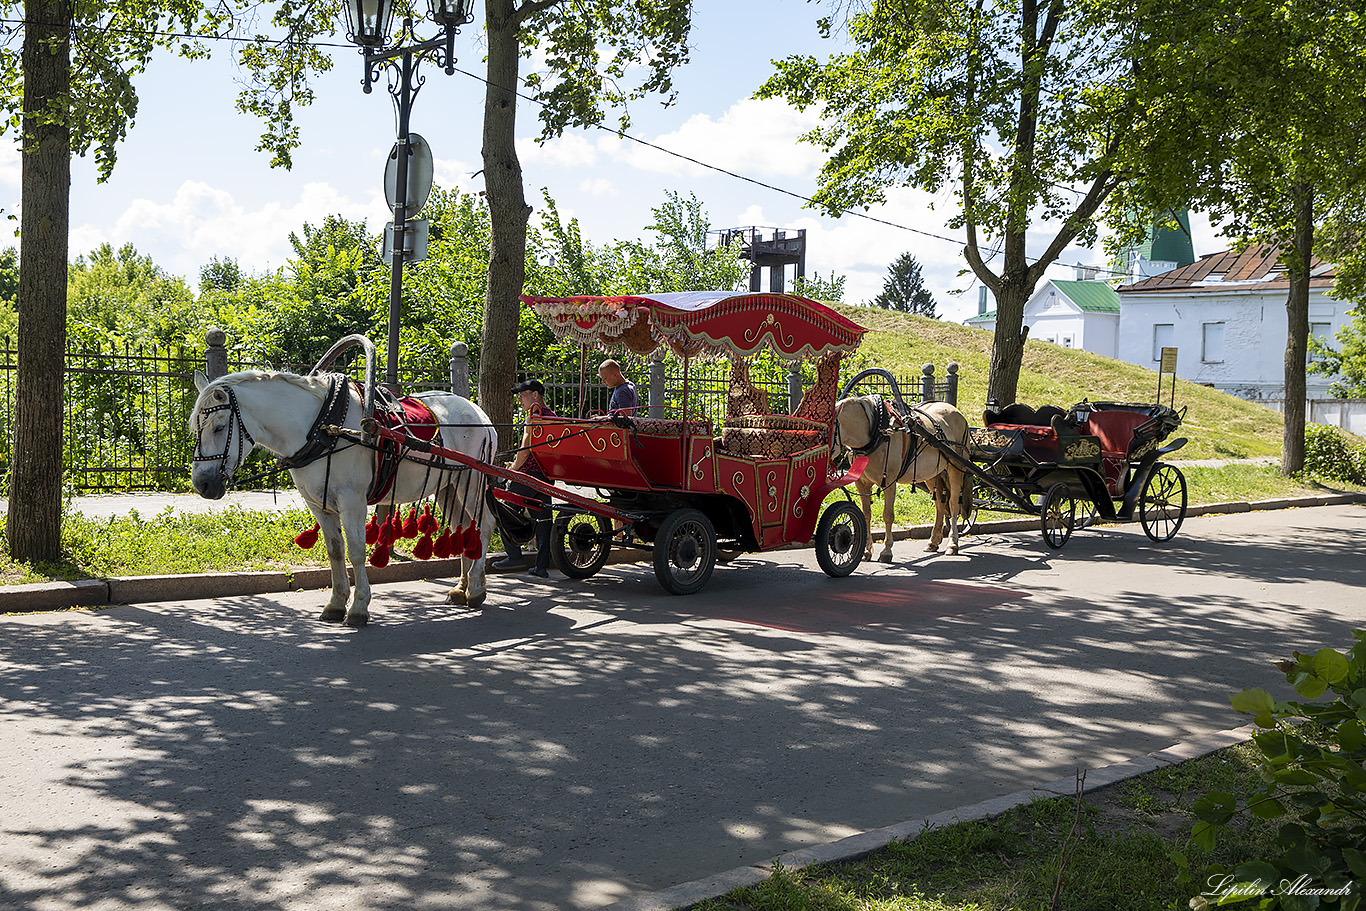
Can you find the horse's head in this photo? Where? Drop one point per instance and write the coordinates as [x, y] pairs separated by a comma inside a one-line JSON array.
[[221, 439], [859, 420]]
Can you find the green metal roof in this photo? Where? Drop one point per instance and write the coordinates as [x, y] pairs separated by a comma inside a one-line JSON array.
[[1091, 297]]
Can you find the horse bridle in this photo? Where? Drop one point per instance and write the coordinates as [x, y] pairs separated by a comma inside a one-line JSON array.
[[245, 441]]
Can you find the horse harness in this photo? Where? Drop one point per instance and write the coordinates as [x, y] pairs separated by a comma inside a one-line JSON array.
[[245, 441]]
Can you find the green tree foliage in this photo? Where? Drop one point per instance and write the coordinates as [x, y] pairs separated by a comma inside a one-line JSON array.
[[830, 290], [1314, 769], [905, 288], [1018, 108], [9, 293], [123, 297]]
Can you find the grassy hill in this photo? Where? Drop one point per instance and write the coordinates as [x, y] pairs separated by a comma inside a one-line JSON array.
[[1217, 425]]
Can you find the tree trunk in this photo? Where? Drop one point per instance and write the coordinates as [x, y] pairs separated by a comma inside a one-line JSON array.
[[34, 528], [509, 213], [1007, 350], [1297, 330]]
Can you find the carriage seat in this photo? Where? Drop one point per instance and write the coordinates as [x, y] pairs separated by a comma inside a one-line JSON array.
[[670, 426], [1115, 430], [1038, 427], [770, 436]]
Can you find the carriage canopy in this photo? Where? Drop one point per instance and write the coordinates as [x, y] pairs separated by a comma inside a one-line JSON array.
[[706, 323]]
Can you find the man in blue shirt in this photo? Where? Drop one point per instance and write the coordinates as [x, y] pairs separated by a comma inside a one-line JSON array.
[[623, 399]]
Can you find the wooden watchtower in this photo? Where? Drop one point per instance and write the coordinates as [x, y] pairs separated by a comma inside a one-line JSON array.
[[771, 248]]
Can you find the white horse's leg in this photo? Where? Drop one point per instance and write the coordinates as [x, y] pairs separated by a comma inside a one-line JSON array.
[[865, 496], [333, 539], [461, 593], [954, 503], [353, 523], [888, 518], [473, 573]]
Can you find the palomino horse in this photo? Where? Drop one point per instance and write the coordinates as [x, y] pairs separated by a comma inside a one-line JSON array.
[[279, 411], [897, 456]]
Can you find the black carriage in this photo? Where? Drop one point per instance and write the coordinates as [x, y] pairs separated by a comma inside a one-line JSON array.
[[1095, 461]]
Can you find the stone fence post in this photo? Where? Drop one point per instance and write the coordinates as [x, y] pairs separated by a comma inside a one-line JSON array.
[[460, 369], [951, 395], [216, 356], [794, 386], [927, 383], [657, 397]]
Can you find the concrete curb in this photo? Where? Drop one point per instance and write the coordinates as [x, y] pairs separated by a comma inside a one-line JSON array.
[[47, 596], [858, 846]]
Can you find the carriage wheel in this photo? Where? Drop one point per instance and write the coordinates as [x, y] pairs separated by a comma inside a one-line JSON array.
[[685, 552], [1162, 505], [841, 538], [1058, 515], [580, 544], [967, 523]]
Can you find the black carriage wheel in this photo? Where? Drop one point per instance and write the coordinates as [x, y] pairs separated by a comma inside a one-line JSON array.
[[1058, 515], [580, 545], [1162, 505], [841, 539], [685, 552], [968, 522]]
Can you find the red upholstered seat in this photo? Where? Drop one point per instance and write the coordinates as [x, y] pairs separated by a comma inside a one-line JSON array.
[[1039, 441], [1115, 430]]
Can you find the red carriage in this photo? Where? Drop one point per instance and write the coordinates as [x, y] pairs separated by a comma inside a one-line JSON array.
[[683, 488]]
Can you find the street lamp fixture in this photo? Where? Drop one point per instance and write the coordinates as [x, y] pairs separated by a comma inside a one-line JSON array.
[[368, 25]]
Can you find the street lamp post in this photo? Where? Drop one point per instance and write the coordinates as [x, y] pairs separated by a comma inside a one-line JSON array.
[[367, 24]]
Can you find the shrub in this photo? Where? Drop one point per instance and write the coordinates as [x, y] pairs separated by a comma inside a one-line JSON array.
[[1331, 453], [1314, 766]]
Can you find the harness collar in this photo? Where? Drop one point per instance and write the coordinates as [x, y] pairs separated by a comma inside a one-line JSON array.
[[879, 421]]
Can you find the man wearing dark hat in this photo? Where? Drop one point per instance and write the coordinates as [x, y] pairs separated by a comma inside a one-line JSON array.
[[531, 397]]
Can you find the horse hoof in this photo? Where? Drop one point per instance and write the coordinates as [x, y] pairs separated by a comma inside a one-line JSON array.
[[932, 548], [885, 558], [456, 596], [333, 615], [475, 602], [953, 550], [356, 621]]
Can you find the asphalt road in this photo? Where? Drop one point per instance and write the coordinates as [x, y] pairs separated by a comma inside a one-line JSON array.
[[578, 743]]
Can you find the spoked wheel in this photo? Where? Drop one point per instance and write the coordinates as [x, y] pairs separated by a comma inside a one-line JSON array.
[[580, 544], [968, 522], [1162, 505], [841, 539], [685, 552], [1058, 515]]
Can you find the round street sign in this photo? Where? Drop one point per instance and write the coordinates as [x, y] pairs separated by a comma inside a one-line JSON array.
[[419, 175]]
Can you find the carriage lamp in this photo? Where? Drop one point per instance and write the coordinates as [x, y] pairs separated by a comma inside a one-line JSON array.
[[367, 26]]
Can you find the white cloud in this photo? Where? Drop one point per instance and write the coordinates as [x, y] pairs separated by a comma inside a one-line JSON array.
[[11, 167], [598, 186], [572, 150], [201, 222], [753, 137]]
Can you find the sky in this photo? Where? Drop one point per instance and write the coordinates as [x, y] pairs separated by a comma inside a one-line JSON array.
[[190, 186]]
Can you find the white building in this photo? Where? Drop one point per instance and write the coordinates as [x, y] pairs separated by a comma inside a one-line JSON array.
[[1225, 315], [1073, 314]]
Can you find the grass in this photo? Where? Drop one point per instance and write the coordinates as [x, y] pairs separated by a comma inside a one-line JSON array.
[[1132, 851]]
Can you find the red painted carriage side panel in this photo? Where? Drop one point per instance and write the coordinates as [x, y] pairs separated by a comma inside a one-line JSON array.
[[701, 467], [587, 453], [738, 477], [773, 493], [660, 456], [806, 490]]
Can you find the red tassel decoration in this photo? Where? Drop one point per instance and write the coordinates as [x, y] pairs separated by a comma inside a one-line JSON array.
[[442, 547], [410, 526], [380, 557], [423, 550], [371, 532], [426, 523], [307, 539], [385, 536], [474, 544]]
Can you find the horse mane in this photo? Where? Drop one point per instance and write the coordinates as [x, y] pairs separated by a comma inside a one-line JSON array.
[[314, 385]]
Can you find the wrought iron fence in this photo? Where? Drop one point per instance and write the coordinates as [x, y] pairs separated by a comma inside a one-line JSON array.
[[127, 410]]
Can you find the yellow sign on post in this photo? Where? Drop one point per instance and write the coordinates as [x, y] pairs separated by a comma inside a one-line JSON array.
[[1168, 365]]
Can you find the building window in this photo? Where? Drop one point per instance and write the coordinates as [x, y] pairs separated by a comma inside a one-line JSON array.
[[1324, 333], [1164, 335], [1067, 341], [1212, 343]]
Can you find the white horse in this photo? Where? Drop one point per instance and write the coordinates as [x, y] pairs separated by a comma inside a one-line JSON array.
[[861, 426], [276, 411]]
